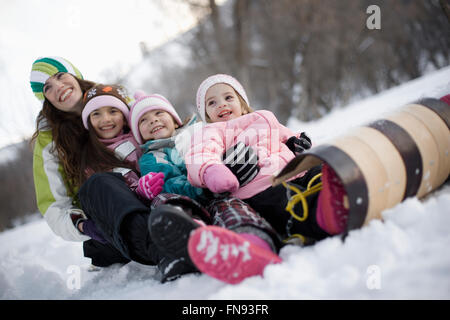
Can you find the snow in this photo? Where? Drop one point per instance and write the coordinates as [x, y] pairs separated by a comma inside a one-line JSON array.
[[405, 256], [339, 120]]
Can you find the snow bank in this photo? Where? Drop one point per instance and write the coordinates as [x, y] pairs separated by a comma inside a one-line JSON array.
[[404, 257]]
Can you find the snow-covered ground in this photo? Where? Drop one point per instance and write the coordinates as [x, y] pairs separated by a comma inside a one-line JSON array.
[[404, 257]]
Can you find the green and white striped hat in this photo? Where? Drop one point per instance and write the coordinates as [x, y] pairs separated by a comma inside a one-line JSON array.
[[45, 67]]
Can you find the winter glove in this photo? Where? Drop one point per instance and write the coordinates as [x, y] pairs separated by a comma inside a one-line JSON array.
[[242, 161], [150, 185], [300, 144], [91, 230], [218, 178]]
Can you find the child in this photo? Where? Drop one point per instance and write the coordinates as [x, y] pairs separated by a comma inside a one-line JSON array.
[[154, 121], [111, 145], [158, 128], [223, 103]]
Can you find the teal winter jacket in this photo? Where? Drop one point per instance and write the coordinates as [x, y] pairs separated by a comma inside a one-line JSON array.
[[165, 155]]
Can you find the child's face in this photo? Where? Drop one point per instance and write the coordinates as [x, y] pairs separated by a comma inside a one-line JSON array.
[[157, 124], [107, 122], [63, 91], [222, 103]]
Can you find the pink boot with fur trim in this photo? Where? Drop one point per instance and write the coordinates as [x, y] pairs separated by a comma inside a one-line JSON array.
[[229, 256]]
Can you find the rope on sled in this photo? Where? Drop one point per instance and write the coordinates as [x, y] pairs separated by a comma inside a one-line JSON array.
[[301, 196]]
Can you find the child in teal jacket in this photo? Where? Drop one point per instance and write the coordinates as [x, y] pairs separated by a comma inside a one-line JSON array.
[[164, 139]]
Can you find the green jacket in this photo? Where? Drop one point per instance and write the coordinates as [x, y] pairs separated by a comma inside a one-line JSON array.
[[52, 196]]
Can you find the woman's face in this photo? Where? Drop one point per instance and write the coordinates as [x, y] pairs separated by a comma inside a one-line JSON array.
[[64, 92]]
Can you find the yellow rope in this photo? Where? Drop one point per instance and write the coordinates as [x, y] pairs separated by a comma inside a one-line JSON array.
[[301, 196], [295, 235], [317, 176]]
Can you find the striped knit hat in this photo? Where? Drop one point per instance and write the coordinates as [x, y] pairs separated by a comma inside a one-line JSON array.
[[45, 67], [212, 80]]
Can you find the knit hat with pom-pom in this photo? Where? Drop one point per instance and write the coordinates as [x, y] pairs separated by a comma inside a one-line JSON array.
[[144, 103]]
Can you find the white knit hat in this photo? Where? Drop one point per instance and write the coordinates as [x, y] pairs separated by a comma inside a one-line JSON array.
[[212, 80], [145, 103]]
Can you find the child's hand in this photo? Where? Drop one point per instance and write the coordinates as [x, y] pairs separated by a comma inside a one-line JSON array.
[[242, 161], [150, 185], [218, 178], [300, 144]]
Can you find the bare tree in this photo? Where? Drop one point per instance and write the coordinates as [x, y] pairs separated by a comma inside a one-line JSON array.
[[304, 58], [17, 197]]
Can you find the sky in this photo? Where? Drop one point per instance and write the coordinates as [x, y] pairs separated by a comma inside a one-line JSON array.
[[95, 35]]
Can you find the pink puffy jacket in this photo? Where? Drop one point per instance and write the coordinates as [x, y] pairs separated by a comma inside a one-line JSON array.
[[260, 130]]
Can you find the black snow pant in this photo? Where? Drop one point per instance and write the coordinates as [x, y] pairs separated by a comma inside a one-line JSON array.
[[102, 254], [122, 219], [271, 204]]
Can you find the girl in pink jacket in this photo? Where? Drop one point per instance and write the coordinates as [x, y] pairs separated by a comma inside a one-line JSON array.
[[223, 104]]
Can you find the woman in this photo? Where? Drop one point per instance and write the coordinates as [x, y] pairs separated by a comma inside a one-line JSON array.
[[58, 130]]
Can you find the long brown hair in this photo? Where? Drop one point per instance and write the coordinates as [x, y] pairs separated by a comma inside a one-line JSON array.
[[69, 136], [97, 157]]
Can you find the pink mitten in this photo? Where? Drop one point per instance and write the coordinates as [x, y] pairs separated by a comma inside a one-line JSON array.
[[150, 185], [218, 178]]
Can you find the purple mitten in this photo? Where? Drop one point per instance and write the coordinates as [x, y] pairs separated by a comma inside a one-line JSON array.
[[91, 230], [218, 178], [150, 185]]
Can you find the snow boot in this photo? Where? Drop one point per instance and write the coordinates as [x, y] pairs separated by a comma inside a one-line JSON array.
[[170, 269], [170, 228], [332, 206], [228, 256]]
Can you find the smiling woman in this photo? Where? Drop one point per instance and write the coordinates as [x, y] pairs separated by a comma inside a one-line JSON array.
[[59, 123], [64, 92], [45, 68], [52, 135]]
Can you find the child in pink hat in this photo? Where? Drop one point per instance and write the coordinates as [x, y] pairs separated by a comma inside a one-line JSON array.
[[157, 126], [223, 103]]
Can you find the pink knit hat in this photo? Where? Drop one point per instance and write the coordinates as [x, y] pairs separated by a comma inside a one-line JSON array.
[[101, 96], [212, 80], [145, 103]]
